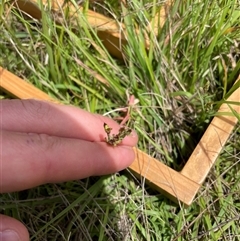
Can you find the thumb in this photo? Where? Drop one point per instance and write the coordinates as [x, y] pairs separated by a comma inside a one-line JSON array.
[[12, 230]]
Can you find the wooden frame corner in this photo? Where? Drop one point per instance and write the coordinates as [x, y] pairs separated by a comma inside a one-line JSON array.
[[179, 186]]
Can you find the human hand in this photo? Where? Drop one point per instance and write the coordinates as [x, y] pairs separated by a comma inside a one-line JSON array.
[[42, 142]]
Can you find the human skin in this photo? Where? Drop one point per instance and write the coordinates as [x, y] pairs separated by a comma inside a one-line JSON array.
[[42, 142]]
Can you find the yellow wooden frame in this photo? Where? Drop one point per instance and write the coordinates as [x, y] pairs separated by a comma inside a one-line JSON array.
[[179, 186], [111, 32]]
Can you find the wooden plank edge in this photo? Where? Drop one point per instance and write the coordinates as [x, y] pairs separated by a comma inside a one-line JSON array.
[[173, 184], [160, 17], [19, 88], [212, 142]]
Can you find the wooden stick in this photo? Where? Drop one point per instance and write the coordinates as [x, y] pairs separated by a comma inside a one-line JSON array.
[[20, 88]]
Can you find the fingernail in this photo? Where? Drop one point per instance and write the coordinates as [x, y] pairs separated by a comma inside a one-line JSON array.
[[9, 235]]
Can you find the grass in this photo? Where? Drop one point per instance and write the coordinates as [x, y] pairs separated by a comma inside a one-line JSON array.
[[189, 69]]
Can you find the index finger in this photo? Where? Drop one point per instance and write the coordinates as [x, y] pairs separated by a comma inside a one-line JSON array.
[[57, 120]]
